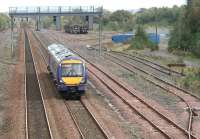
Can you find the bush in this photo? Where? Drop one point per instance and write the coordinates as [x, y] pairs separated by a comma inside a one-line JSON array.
[[196, 44], [141, 41], [137, 43], [186, 33], [47, 22], [152, 46], [192, 80], [114, 26], [4, 21], [120, 20]]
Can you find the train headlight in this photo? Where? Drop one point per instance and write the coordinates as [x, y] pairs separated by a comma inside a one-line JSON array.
[[61, 81], [83, 80]]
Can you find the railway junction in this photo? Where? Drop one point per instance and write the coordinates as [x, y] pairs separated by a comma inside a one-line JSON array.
[[126, 96]]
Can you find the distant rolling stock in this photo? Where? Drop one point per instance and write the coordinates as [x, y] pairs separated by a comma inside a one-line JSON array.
[[67, 69], [76, 29]]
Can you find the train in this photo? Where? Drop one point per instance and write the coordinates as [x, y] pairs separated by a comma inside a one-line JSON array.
[[68, 70], [76, 29]]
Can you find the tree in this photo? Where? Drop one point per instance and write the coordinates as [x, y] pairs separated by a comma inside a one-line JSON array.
[[141, 41], [47, 21], [121, 16], [124, 20], [164, 16], [186, 33], [4, 21], [106, 17]]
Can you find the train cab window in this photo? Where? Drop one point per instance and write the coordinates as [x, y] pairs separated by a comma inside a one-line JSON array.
[[72, 70]]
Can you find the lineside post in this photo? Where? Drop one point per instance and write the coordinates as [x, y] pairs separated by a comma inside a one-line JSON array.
[[100, 32], [12, 26]]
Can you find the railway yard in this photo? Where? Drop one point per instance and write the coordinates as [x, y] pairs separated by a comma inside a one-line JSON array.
[[127, 96]]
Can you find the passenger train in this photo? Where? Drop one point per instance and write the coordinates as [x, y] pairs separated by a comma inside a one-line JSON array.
[[68, 70]]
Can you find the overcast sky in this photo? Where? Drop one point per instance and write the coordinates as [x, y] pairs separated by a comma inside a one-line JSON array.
[[107, 4]]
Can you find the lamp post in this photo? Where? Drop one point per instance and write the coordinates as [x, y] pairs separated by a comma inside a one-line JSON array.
[[100, 32], [156, 24], [12, 26]]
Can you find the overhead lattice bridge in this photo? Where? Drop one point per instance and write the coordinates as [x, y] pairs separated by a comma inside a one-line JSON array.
[[57, 12]]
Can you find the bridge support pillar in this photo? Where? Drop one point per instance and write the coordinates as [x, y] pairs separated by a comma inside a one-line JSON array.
[[38, 23], [90, 22], [58, 23]]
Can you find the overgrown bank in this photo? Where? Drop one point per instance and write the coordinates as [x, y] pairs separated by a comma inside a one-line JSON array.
[[186, 33]]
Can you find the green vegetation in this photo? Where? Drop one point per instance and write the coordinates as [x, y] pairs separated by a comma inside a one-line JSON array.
[[71, 20], [192, 80], [162, 16], [47, 22], [123, 20], [141, 41], [120, 20], [186, 33], [4, 21]]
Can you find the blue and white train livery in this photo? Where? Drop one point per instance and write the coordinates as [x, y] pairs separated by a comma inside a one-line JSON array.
[[68, 70]]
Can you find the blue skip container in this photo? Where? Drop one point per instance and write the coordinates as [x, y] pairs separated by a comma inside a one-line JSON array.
[[153, 38], [123, 38]]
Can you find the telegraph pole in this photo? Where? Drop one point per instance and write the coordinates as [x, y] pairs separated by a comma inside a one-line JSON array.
[[12, 26], [100, 32], [156, 14]]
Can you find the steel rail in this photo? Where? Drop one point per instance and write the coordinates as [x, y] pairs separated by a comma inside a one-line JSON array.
[[25, 95], [105, 133], [170, 121], [147, 64], [74, 120], [144, 59], [176, 125], [41, 94], [189, 128], [154, 76], [67, 106]]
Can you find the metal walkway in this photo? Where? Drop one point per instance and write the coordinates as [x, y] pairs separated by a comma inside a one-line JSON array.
[[55, 11]]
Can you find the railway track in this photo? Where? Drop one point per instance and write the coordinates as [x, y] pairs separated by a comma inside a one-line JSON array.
[[159, 82], [80, 112], [37, 124], [139, 59], [149, 63], [169, 123], [143, 104], [131, 67], [77, 109], [129, 64], [188, 98], [140, 67]]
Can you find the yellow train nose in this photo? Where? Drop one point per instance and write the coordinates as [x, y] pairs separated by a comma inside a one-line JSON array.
[[72, 80]]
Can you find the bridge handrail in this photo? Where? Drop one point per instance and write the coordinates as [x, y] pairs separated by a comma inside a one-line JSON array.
[[56, 9]]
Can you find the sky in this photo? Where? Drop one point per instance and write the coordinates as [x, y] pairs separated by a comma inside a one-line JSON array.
[[107, 4]]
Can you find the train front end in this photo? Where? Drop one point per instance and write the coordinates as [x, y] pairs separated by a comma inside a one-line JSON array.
[[72, 76]]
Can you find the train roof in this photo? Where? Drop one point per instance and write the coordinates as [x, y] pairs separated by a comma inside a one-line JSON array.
[[60, 52]]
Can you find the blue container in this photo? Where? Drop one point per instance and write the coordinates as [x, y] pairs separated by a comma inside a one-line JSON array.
[[152, 37], [122, 38]]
